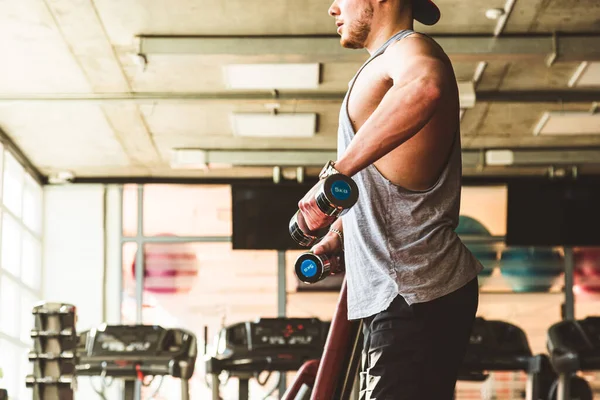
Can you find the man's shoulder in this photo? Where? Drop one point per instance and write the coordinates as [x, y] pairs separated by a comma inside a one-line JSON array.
[[415, 44]]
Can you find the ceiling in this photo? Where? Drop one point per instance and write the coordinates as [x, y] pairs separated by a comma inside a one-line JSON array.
[[75, 96]]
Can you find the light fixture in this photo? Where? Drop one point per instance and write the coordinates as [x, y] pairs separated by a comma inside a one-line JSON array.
[[494, 13], [188, 159], [280, 125], [200, 158], [587, 74], [61, 177], [499, 157], [466, 93], [568, 123], [272, 76]]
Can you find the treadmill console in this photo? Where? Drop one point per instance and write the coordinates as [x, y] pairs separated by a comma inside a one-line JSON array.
[[271, 344], [131, 350], [495, 346], [575, 345]]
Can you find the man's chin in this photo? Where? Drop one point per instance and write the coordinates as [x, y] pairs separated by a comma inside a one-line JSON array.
[[350, 45]]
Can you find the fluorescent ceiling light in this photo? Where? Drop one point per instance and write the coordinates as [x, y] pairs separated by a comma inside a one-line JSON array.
[[466, 93], [272, 76], [568, 123], [189, 158], [274, 125], [283, 158], [587, 74], [499, 157]]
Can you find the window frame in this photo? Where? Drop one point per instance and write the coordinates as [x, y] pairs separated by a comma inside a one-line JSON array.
[[15, 341]]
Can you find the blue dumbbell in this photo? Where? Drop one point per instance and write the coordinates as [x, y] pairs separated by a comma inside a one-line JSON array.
[[335, 195], [311, 268]]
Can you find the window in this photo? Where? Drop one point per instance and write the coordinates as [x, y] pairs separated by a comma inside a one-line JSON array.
[[182, 210], [196, 283], [32, 205], [11, 245], [9, 307], [10, 366], [31, 261], [13, 184], [21, 203]]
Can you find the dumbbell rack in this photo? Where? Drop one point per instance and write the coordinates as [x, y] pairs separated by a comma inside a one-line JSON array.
[[53, 354]]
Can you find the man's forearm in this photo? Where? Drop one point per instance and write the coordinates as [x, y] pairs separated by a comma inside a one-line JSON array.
[[403, 112]]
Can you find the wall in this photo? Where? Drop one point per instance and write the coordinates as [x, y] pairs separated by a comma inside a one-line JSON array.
[[74, 257], [74, 249]]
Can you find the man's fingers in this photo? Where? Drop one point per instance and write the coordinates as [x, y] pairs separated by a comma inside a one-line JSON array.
[[321, 248]]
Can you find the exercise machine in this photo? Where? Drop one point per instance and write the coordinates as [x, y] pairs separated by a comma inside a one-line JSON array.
[[574, 345], [333, 376], [494, 346], [501, 346], [53, 355], [246, 349], [133, 352]]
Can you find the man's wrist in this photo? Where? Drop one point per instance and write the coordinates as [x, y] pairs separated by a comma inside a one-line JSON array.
[[339, 234], [344, 168], [328, 170]]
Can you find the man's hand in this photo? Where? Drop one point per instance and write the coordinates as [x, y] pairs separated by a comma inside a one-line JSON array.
[[315, 218], [330, 245]]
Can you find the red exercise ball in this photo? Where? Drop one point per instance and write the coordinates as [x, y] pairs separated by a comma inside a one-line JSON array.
[[587, 269], [169, 268]]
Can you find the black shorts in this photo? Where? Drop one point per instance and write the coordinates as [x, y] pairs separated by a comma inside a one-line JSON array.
[[414, 352]]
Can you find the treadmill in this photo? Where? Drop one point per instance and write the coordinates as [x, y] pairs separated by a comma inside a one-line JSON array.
[[574, 345], [246, 349], [133, 352], [501, 346]]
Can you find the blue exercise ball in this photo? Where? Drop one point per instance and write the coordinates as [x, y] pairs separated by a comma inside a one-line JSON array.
[[485, 253], [529, 269], [471, 226]]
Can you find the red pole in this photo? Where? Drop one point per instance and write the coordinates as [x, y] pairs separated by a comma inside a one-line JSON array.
[[336, 352], [306, 375], [336, 361]]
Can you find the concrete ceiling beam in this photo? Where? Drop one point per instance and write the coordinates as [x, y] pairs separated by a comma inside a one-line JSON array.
[[549, 48]]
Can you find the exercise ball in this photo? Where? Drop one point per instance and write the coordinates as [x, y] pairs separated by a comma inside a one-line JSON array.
[[169, 268], [529, 269], [485, 253], [471, 226], [587, 269]]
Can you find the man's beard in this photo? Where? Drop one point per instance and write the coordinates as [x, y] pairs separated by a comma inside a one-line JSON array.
[[359, 30]]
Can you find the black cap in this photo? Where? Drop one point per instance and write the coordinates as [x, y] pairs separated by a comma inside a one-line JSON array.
[[426, 12]]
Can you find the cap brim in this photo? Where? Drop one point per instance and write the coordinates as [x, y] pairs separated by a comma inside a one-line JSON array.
[[426, 12]]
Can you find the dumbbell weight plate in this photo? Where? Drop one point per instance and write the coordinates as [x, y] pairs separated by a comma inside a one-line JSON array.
[[311, 268], [337, 194]]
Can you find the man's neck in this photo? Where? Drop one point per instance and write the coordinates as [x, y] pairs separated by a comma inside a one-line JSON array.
[[378, 37]]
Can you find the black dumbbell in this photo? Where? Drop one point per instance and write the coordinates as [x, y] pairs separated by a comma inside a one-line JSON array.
[[311, 268], [336, 194]]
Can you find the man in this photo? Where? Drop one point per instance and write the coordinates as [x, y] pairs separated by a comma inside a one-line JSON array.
[[409, 276]]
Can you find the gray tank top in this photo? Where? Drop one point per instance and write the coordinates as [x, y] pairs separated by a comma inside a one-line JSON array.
[[402, 242]]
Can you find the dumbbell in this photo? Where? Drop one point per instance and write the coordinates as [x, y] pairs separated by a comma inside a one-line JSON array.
[[312, 268], [335, 195]]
